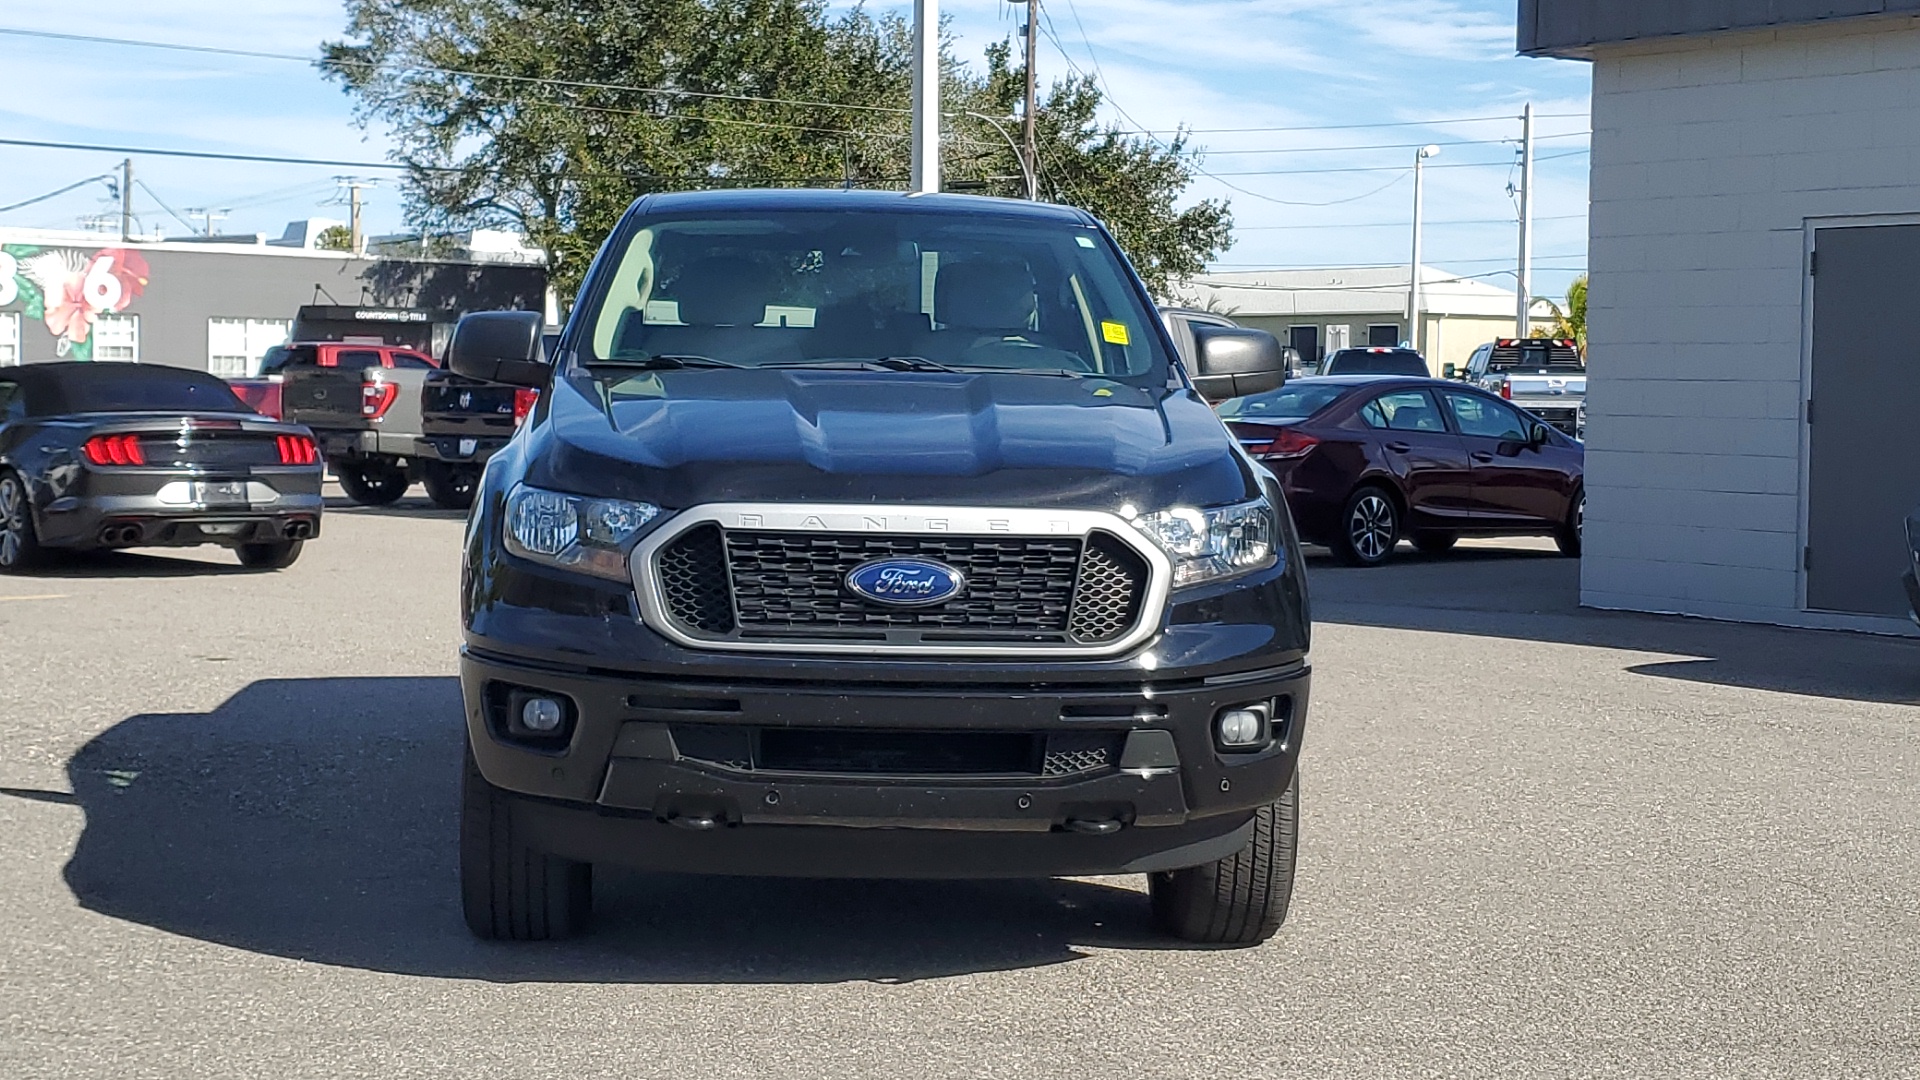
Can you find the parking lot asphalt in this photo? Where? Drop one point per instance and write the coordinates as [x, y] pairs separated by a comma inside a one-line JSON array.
[[1538, 842]]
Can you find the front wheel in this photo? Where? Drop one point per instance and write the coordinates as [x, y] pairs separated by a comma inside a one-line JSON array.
[[1242, 899], [451, 487], [271, 555], [372, 483], [1369, 528], [1571, 538], [509, 891]]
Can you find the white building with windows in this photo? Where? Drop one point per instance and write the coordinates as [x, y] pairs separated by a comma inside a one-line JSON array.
[[1323, 310], [218, 304]]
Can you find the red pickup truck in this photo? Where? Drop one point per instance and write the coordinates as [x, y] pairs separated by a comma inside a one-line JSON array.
[[262, 392]]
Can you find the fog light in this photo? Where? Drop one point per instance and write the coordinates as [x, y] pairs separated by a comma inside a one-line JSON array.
[[542, 715], [1244, 728]]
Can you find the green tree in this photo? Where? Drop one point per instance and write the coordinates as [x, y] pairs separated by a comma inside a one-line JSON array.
[[1571, 322], [525, 115], [334, 238]]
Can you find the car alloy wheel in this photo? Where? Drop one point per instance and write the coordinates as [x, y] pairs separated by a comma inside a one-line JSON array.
[[1372, 527], [13, 521]]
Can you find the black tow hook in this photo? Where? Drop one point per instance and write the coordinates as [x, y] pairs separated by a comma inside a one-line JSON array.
[[1093, 828]]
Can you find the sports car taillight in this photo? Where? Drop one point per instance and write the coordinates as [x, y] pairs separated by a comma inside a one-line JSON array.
[[376, 398], [296, 450], [114, 450], [524, 399]]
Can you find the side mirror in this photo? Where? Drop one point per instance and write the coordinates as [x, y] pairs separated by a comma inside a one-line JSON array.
[[1234, 361], [1537, 435], [500, 346], [1450, 371]]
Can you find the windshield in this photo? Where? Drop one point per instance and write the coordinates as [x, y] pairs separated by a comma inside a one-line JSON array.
[[1376, 362], [816, 287], [1295, 402]]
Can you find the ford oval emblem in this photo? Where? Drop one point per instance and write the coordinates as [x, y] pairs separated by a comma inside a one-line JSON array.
[[905, 582]]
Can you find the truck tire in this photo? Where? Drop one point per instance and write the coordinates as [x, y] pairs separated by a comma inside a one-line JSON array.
[[508, 891], [271, 555], [1240, 900], [451, 487], [372, 483]]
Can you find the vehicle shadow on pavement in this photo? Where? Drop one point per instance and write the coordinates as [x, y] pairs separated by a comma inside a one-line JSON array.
[[316, 819], [207, 562], [1527, 595]]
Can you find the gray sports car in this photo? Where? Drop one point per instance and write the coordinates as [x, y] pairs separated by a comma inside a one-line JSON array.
[[103, 455]]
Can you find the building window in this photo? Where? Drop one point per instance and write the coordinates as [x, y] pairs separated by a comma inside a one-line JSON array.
[[236, 347], [9, 338], [1383, 335], [117, 337]]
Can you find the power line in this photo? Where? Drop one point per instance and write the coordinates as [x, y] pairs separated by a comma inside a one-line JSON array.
[[1386, 168], [55, 194], [1336, 202], [175, 214], [434, 69], [1436, 122], [1376, 146], [1402, 224]]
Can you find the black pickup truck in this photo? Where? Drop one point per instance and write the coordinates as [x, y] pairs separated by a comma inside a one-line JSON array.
[[863, 535], [463, 422]]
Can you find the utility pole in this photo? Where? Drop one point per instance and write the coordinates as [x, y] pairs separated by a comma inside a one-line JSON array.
[[211, 216], [126, 200], [926, 97], [1419, 208], [357, 237], [1032, 144], [1524, 319]]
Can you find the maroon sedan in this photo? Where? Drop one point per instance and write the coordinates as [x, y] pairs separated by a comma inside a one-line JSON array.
[[1367, 461]]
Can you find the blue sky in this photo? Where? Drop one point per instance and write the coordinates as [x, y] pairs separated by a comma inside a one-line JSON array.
[[1317, 66]]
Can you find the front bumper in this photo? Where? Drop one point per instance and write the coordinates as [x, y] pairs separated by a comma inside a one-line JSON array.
[[633, 783]]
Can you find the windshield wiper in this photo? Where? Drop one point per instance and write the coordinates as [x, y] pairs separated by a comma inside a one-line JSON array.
[[662, 362]]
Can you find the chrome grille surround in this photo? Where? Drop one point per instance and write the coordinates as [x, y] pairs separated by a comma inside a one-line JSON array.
[[829, 519]]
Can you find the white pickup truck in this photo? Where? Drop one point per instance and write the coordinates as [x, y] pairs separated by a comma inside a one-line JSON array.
[[1545, 376]]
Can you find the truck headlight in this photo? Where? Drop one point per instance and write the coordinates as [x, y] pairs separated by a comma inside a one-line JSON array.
[[1207, 545], [592, 536]]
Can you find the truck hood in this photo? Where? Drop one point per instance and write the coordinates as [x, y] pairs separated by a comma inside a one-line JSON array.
[[682, 438]]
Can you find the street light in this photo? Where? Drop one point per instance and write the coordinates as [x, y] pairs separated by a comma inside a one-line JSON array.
[[1419, 205], [1026, 167]]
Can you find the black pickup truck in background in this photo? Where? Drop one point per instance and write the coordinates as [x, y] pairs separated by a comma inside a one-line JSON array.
[[463, 422]]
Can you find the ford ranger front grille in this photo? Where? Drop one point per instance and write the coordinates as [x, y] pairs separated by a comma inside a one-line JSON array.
[[785, 589]]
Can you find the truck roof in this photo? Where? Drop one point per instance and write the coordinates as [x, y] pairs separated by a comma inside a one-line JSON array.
[[866, 202]]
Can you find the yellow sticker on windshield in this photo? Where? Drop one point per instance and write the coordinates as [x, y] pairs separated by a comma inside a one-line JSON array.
[[1115, 333]]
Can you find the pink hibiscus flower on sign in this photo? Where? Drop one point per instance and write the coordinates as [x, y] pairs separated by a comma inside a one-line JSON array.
[[114, 278], [68, 314]]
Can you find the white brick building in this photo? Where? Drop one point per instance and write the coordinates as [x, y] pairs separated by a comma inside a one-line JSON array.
[[1729, 145]]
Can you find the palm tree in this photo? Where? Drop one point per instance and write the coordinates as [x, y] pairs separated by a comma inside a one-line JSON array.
[[1572, 321]]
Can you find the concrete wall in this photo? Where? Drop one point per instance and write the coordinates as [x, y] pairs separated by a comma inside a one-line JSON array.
[[1710, 156], [185, 287]]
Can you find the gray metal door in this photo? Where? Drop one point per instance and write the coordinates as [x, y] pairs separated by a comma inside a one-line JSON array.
[[1864, 443]]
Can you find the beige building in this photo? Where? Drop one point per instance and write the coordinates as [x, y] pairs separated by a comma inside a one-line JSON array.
[[1318, 311]]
